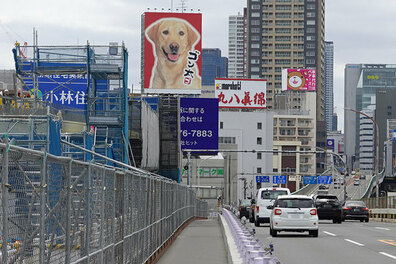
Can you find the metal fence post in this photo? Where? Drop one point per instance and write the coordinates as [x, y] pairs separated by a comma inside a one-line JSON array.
[[102, 206], [43, 183], [88, 197], [4, 201], [68, 211], [113, 224]]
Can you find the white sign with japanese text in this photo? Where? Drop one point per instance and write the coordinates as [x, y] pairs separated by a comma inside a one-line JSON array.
[[241, 93]]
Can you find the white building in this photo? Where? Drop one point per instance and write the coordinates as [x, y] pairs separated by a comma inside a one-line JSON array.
[[236, 46], [367, 142], [249, 131]]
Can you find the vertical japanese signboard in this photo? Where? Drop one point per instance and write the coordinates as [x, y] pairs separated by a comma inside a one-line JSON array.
[[241, 93], [199, 118], [299, 79], [172, 53]]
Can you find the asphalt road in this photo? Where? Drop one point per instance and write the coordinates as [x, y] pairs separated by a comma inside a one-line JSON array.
[[350, 242]]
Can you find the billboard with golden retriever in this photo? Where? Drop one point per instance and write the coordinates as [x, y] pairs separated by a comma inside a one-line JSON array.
[[299, 79], [172, 53]]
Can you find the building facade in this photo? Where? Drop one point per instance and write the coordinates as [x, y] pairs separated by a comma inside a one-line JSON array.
[[236, 46], [213, 66], [294, 124], [253, 131], [285, 34], [362, 81], [329, 80]]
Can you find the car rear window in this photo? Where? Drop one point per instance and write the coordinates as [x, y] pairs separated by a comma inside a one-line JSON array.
[[294, 203], [245, 203], [327, 197], [355, 203], [272, 194]]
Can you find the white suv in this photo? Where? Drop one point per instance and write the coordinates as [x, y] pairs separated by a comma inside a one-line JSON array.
[[265, 198], [296, 213]]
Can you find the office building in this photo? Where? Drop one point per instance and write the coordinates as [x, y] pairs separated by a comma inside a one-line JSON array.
[[253, 131], [328, 81], [213, 66], [285, 34], [236, 46], [362, 81], [294, 129]]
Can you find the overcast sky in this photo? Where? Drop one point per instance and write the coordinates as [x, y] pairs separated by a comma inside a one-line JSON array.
[[362, 30]]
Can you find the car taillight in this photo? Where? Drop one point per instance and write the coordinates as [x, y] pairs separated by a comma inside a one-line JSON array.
[[313, 212], [365, 209], [239, 208], [278, 211], [347, 208], [253, 206], [258, 208]]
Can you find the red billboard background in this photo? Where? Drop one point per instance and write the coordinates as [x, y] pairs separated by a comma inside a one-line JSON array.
[[194, 19]]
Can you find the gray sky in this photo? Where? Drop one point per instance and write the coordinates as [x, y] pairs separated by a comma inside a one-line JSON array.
[[362, 30]]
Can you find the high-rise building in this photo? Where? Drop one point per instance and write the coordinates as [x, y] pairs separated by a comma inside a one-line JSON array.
[[328, 81], [236, 46], [213, 66], [362, 82], [335, 122], [285, 34]]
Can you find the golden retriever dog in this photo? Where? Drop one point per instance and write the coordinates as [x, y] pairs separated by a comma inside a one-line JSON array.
[[172, 40]]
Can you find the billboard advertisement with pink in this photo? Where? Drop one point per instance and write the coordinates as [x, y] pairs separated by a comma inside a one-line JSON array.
[[299, 79], [172, 53], [241, 93]]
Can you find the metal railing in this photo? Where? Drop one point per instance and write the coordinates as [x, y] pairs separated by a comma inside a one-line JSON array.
[[388, 202], [59, 210]]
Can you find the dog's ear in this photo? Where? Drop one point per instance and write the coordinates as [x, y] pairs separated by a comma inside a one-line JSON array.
[[152, 31], [192, 36]]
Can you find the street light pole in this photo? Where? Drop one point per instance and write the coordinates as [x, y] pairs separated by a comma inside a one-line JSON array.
[[376, 152]]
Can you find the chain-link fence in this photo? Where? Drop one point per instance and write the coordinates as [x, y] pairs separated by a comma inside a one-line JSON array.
[[59, 210]]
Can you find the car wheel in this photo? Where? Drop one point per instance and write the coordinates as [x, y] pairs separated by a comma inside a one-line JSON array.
[[361, 220], [270, 231], [256, 223], [274, 233], [335, 221], [314, 233], [367, 220]]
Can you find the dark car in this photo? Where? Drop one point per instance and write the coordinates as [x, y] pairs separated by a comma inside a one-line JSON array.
[[244, 208], [329, 207], [251, 213], [356, 210]]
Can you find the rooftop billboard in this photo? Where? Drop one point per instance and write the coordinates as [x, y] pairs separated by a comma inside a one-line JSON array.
[[299, 79], [172, 53], [241, 93]]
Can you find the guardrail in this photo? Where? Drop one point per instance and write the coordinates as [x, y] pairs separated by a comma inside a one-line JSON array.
[[59, 210], [372, 183]]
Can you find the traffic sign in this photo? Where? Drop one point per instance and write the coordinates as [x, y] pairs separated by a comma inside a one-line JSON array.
[[310, 179], [262, 179], [281, 179], [324, 179], [394, 135], [330, 143]]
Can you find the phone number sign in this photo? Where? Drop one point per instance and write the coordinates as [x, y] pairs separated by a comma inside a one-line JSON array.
[[199, 118]]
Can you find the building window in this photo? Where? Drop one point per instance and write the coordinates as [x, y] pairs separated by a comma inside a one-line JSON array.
[[221, 125], [259, 125], [310, 22], [259, 141], [259, 155], [258, 170]]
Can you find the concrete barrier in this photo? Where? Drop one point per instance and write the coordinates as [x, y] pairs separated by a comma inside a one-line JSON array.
[[383, 215]]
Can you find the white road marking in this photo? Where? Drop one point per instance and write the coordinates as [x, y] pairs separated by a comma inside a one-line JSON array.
[[354, 242], [388, 255], [331, 234], [382, 228]]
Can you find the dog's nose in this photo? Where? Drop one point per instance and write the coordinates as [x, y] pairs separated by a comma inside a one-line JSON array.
[[174, 47]]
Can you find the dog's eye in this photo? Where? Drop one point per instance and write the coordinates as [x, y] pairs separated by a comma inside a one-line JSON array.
[[165, 32], [181, 33]]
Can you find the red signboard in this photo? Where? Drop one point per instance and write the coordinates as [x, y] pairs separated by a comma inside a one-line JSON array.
[[172, 53]]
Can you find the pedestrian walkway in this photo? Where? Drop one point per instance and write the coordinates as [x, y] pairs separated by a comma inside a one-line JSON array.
[[200, 242]]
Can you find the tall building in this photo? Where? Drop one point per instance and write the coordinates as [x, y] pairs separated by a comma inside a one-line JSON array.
[[236, 46], [328, 81], [213, 66], [285, 34], [362, 82], [335, 122]]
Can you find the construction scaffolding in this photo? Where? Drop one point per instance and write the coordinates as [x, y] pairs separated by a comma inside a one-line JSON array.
[[89, 81]]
